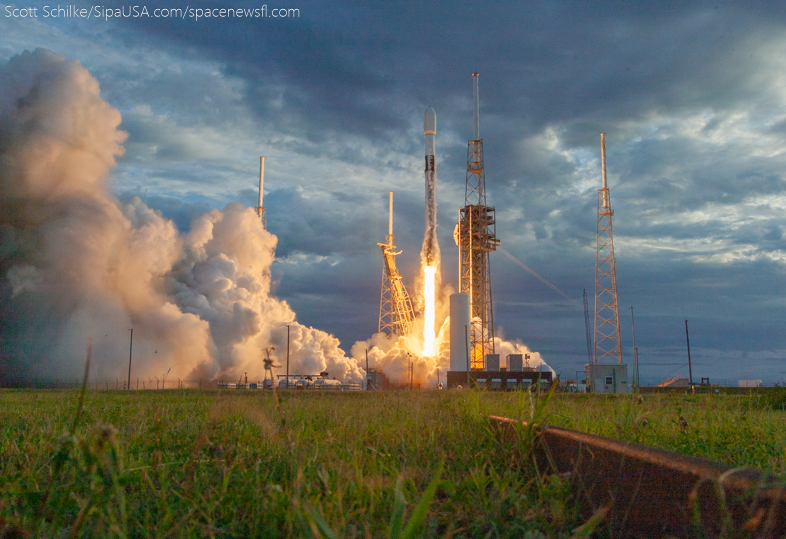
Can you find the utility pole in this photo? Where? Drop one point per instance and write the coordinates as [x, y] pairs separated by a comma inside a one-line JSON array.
[[287, 356], [368, 377], [587, 328], [690, 367], [635, 348], [130, 349]]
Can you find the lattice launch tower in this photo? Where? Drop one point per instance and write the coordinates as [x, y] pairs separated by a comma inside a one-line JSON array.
[[395, 307], [607, 318], [476, 238]]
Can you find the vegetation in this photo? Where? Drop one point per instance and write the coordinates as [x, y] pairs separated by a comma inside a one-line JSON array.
[[738, 430], [190, 463]]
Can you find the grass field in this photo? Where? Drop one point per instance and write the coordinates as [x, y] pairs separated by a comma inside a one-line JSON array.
[[189, 463]]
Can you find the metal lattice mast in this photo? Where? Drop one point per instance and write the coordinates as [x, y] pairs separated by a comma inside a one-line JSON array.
[[607, 319], [476, 239], [395, 307]]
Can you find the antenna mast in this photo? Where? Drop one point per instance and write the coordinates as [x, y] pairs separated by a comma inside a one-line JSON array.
[[607, 318]]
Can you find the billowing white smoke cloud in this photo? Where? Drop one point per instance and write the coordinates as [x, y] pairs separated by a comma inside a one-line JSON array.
[[75, 263], [393, 356]]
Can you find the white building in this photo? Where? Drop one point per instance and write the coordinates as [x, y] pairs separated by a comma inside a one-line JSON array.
[[607, 378]]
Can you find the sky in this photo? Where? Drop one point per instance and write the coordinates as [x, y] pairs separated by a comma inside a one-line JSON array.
[[691, 96]]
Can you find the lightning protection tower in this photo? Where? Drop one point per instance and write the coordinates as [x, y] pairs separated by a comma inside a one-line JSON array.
[[261, 212], [476, 238], [607, 319], [395, 308]]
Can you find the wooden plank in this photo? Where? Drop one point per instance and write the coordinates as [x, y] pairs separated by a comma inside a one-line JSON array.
[[656, 493]]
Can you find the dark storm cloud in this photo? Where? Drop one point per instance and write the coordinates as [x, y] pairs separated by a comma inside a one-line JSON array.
[[574, 68]]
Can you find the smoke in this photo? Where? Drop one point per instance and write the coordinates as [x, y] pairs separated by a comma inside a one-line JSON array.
[[393, 356], [76, 263], [429, 253]]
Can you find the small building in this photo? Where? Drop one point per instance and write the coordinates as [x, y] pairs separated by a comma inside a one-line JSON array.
[[492, 362], [607, 378], [750, 383], [515, 362]]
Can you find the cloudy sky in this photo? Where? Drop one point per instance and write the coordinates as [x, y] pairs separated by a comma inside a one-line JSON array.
[[691, 95]]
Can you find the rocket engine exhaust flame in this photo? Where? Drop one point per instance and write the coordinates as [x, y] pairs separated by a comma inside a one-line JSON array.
[[429, 312]]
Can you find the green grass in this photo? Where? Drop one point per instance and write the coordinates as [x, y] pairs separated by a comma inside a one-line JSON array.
[[392, 464], [738, 430]]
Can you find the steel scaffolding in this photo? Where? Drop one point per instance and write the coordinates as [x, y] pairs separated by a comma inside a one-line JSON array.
[[476, 237], [395, 307], [607, 320]]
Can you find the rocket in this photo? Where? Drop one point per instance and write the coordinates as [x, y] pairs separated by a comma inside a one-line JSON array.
[[430, 251]]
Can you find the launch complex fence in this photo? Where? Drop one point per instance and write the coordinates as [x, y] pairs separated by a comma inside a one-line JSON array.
[[140, 384]]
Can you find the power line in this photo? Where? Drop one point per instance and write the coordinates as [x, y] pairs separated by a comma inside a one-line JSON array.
[[534, 274]]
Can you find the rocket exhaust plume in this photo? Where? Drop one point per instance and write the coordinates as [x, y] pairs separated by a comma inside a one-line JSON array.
[[429, 318], [76, 262], [430, 252]]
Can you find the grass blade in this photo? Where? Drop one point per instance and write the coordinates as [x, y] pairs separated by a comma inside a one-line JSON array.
[[397, 520], [419, 516], [324, 529]]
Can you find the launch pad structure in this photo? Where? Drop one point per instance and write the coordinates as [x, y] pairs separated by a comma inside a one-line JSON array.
[[476, 238], [395, 308]]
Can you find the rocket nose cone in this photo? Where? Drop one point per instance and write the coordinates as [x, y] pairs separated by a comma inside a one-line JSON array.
[[430, 122]]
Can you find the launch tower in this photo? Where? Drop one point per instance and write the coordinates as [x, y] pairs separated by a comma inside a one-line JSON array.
[[476, 237], [395, 308], [607, 318]]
